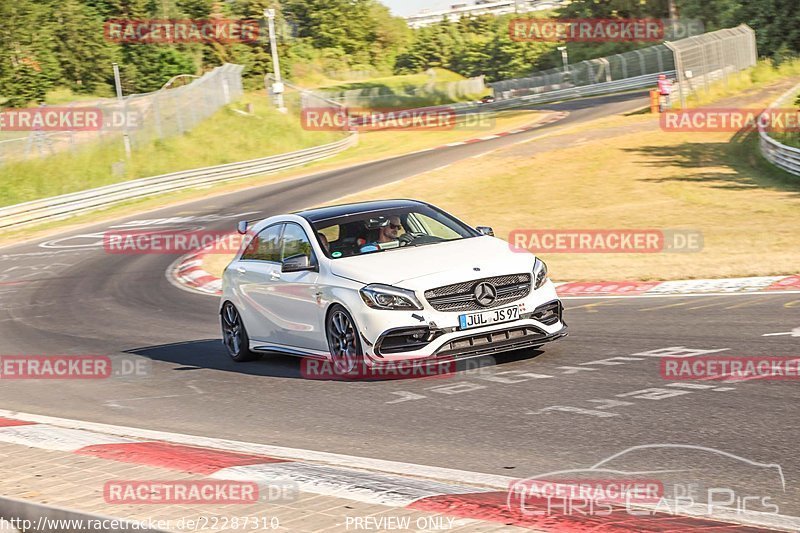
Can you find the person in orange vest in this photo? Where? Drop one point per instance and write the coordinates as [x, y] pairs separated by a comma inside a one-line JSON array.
[[664, 91]]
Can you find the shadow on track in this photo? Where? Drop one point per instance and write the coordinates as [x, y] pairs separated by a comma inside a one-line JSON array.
[[210, 354]]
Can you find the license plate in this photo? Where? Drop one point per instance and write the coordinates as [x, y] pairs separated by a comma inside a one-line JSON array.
[[495, 316]]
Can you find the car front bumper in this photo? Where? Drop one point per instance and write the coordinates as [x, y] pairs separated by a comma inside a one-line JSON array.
[[441, 339]]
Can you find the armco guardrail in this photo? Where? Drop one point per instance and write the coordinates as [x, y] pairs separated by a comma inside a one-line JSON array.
[[780, 155], [597, 89], [68, 205]]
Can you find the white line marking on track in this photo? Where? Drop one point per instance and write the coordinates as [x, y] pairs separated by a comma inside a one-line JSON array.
[[349, 461], [55, 438], [362, 463], [794, 333]]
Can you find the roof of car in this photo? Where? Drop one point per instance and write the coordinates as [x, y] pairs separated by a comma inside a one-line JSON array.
[[336, 211]]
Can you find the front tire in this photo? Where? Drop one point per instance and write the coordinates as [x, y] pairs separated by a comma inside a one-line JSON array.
[[343, 340], [234, 335]]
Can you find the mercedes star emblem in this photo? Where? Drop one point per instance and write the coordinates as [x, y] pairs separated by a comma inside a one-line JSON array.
[[485, 294]]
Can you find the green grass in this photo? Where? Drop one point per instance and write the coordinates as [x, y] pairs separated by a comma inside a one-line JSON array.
[[371, 146], [64, 95], [397, 82], [760, 75], [764, 73], [226, 137]]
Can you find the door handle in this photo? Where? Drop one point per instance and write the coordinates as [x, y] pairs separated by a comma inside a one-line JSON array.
[[241, 270], [275, 275]]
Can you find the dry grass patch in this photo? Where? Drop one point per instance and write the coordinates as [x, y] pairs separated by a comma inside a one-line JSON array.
[[748, 211]]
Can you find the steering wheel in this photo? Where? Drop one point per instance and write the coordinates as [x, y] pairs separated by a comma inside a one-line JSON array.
[[407, 238]]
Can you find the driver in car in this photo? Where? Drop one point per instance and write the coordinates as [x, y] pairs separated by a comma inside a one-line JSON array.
[[387, 234]]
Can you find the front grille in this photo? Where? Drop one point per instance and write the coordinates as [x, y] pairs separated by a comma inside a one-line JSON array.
[[461, 297]]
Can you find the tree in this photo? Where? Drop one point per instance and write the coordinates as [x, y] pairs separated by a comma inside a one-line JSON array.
[[28, 64], [777, 25], [83, 54], [615, 9]]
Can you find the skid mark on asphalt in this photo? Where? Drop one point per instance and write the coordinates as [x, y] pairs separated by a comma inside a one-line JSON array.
[[115, 404], [772, 300], [715, 301], [668, 306], [28, 255], [592, 308], [747, 303]]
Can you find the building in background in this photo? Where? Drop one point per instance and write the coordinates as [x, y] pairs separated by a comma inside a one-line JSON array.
[[480, 7]]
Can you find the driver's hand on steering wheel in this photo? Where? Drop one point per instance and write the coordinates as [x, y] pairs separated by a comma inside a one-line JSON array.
[[406, 238]]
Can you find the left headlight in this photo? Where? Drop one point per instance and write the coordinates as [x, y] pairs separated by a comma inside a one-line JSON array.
[[539, 274], [392, 298]]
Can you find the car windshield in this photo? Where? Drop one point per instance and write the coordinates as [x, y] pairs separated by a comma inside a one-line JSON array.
[[389, 229]]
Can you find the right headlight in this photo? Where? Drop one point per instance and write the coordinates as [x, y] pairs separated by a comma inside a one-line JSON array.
[[539, 274], [379, 296]]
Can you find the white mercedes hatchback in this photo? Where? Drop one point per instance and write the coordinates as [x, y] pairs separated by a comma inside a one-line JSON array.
[[380, 283]]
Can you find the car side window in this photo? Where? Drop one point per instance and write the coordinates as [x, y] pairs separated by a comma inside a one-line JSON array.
[[265, 246], [295, 242]]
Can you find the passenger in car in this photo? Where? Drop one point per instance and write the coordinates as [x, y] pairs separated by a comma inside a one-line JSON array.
[[324, 241]]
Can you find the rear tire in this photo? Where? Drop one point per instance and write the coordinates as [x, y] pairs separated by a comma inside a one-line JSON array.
[[234, 335]]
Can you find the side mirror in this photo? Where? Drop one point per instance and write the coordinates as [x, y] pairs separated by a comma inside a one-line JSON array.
[[298, 263], [241, 227], [485, 230]]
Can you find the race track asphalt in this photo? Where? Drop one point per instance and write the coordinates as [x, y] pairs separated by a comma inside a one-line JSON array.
[[569, 406]]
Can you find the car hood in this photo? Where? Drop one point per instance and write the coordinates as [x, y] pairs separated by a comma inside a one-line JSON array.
[[434, 265]]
